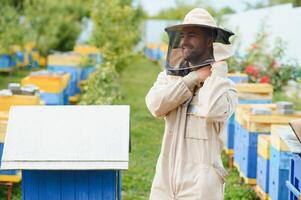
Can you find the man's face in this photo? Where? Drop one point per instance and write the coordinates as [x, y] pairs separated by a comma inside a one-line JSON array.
[[195, 44]]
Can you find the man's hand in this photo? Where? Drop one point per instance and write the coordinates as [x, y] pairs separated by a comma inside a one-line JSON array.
[[204, 73]]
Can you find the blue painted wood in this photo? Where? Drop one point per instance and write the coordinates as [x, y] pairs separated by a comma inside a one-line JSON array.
[[81, 186], [262, 177], [75, 73], [70, 185], [6, 61], [277, 179], [237, 144], [239, 79], [30, 188], [245, 150], [55, 98], [279, 173], [254, 101], [280, 159], [230, 135], [96, 186], [49, 188], [6, 172], [295, 177]]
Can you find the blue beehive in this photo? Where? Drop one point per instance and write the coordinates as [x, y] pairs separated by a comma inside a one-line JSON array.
[[75, 73], [254, 125], [248, 93], [262, 176], [279, 164], [263, 164], [7, 63], [294, 182], [238, 146], [248, 154], [91, 148], [231, 124]]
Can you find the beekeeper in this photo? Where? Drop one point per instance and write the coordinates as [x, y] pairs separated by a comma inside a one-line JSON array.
[[195, 97]]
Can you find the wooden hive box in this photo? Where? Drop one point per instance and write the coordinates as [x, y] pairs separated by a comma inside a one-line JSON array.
[[79, 155], [238, 77], [250, 92], [252, 126]]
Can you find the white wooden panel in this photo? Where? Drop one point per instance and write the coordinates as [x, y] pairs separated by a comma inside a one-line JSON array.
[[66, 136]]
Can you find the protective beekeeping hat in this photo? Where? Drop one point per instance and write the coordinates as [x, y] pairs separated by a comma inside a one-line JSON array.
[[198, 17]]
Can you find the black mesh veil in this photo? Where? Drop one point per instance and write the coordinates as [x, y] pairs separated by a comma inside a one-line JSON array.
[[177, 65]]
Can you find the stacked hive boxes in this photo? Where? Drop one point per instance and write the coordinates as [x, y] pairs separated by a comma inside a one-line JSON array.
[[280, 156], [229, 143], [69, 63], [6, 101], [263, 166], [250, 126], [52, 86], [248, 93]]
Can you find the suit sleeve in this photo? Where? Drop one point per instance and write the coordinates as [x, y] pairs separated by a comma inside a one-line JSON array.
[[218, 96], [168, 92]]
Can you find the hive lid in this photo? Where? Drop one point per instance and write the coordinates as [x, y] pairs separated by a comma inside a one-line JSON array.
[[296, 126], [289, 138], [67, 137]]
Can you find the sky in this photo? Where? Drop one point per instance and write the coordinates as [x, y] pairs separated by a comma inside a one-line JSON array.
[[152, 7]]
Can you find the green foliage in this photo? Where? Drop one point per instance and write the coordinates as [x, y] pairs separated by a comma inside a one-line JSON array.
[[11, 32], [103, 87], [52, 24], [182, 8], [116, 31]]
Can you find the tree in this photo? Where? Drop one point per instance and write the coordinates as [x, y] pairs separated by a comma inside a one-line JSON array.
[[116, 32], [53, 24], [11, 30]]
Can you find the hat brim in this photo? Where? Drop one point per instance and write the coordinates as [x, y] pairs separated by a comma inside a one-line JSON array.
[[222, 34]]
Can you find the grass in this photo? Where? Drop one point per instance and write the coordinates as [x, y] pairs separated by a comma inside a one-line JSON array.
[[14, 77]]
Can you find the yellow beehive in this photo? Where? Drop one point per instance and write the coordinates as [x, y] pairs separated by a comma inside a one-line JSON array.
[[276, 141], [237, 74], [262, 123], [254, 91], [49, 84], [68, 60], [7, 101], [264, 146], [241, 108], [86, 49]]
